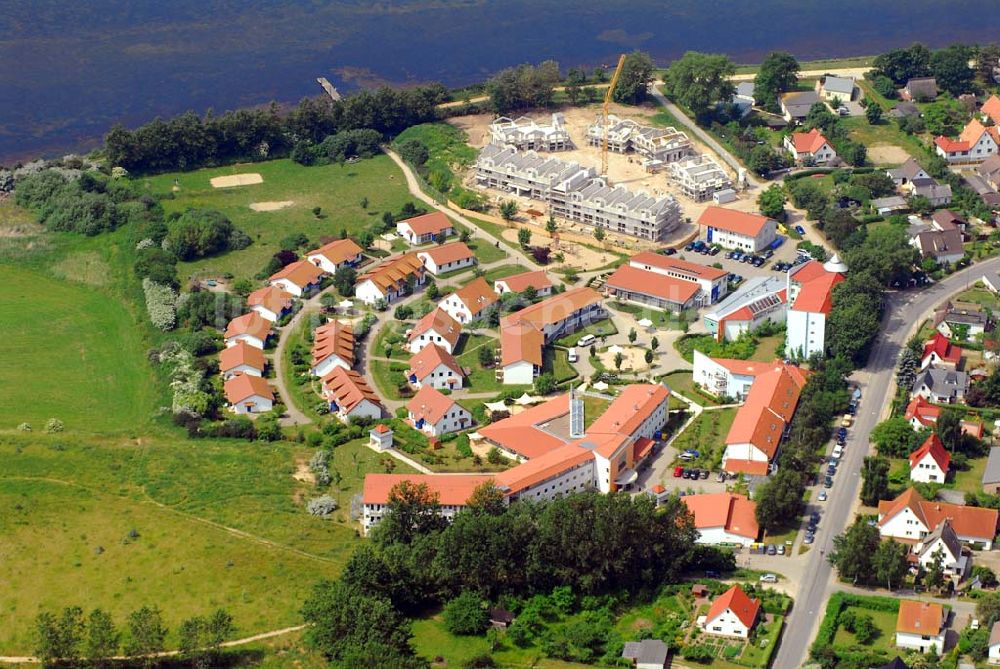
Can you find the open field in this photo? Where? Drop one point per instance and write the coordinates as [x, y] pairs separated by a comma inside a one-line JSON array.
[[217, 524], [707, 435], [337, 189], [72, 353]]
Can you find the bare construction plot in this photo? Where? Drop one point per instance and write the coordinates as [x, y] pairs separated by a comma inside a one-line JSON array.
[[231, 180]]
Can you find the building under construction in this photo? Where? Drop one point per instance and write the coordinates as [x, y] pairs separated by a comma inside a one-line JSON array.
[[527, 134], [659, 146], [577, 193], [700, 177]]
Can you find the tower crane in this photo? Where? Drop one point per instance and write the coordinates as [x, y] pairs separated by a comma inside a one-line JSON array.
[[607, 101]]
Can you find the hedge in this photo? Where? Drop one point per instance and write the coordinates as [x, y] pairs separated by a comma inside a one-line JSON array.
[[840, 601]]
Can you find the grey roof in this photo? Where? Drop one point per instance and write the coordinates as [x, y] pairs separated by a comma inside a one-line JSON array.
[[745, 88], [992, 472], [978, 184], [909, 170], [798, 104], [965, 317], [922, 87], [893, 201], [946, 218], [647, 651], [923, 182], [990, 168], [933, 191], [946, 533], [940, 242], [753, 289], [995, 634], [904, 109], [833, 84], [943, 382], [895, 664]]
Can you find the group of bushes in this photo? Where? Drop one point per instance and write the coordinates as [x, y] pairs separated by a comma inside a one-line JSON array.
[[363, 143]]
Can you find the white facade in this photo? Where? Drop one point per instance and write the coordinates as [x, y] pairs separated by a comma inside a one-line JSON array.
[[363, 409], [904, 525], [736, 240], [805, 333], [413, 239], [252, 404], [247, 338], [457, 309], [241, 370], [369, 293], [328, 364], [927, 470], [727, 623], [328, 265], [920, 642], [575, 479], [718, 380], [265, 313], [372, 514], [288, 286], [452, 266], [455, 419], [519, 373], [719, 535], [441, 377], [425, 339], [500, 287], [994, 654]]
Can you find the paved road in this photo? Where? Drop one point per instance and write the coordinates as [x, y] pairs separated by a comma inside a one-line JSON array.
[[904, 313], [856, 72]]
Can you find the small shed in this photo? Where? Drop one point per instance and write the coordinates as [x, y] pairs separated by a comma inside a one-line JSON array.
[[646, 654], [699, 590], [501, 618]]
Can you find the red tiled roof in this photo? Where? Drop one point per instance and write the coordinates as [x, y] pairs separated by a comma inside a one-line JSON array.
[[429, 404], [521, 342], [636, 280], [808, 142], [922, 618], [302, 273], [951, 145], [519, 433], [393, 271], [476, 295], [272, 298], [735, 513], [243, 386], [940, 345], [932, 446], [446, 253], [334, 338], [252, 324], [540, 468], [450, 489], [554, 309], [973, 428], [992, 108], [429, 358], [241, 354], [738, 602], [925, 412], [677, 265], [816, 294], [348, 388], [751, 467], [769, 405], [518, 283], [627, 411], [427, 224], [338, 251], [441, 323], [731, 220], [967, 521]]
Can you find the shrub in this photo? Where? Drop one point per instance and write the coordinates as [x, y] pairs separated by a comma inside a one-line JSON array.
[[53, 425], [698, 653], [24, 427], [466, 614], [161, 301], [322, 506], [864, 629]]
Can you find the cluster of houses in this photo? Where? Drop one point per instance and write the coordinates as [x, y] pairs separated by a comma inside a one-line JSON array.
[[977, 141], [657, 146], [940, 380], [911, 180]]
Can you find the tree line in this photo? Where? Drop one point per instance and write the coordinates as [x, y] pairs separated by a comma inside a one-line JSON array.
[[590, 543]]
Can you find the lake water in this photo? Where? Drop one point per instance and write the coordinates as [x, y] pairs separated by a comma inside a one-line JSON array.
[[68, 71]]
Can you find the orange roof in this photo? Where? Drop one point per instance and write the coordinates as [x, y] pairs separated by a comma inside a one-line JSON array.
[[476, 295], [334, 338], [658, 285], [522, 433], [348, 388], [973, 428], [677, 265], [951, 145], [922, 618], [545, 466], [441, 323], [446, 253], [935, 449], [244, 386], [429, 358], [241, 354], [738, 602], [816, 296], [751, 467], [925, 412], [518, 283], [731, 220], [521, 342], [554, 309], [431, 223], [252, 324], [808, 142], [992, 108], [451, 489], [967, 521], [735, 513], [745, 367], [429, 404], [337, 252], [769, 406], [302, 273], [944, 349], [973, 130], [632, 406], [382, 428], [392, 271], [272, 298]]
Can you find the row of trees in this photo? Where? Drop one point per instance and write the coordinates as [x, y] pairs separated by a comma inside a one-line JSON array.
[[190, 141], [591, 543], [71, 637], [949, 66]]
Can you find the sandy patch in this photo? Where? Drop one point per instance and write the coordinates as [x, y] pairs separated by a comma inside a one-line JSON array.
[[887, 154], [271, 206], [302, 472], [634, 359], [574, 255], [246, 179]]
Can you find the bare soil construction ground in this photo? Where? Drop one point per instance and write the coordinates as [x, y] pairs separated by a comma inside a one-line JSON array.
[[230, 180], [887, 154], [271, 206]]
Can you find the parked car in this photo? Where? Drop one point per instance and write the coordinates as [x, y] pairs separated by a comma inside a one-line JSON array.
[[822, 496], [768, 578], [809, 538], [838, 451], [689, 454], [847, 420], [772, 550], [704, 474], [842, 431], [799, 229], [721, 478], [758, 262], [814, 516], [831, 470], [781, 549], [714, 251], [678, 472], [669, 251], [828, 482]]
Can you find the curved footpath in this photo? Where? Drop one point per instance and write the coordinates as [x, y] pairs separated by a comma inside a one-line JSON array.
[[904, 313]]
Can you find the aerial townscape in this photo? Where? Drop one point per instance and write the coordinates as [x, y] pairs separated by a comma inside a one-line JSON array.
[[647, 364]]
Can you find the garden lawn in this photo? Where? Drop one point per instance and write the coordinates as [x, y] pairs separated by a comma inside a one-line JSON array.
[[388, 377], [73, 353], [81, 499], [707, 435], [604, 327], [504, 271], [980, 296], [742, 348], [555, 361], [769, 348], [593, 407], [683, 382], [337, 189], [480, 379], [885, 621], [885, 132]]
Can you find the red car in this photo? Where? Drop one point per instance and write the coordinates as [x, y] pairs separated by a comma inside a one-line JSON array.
[[678, 471]]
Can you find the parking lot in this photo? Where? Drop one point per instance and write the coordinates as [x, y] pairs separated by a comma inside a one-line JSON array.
[[786, 253]]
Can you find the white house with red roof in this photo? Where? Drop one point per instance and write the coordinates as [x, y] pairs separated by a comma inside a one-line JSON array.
[[241, 359], [940, 352], [521, 353], [333, 346], [426, 228], [251, 328], [247, 394], [732, 614], [929, 463], [297, 278], [650, 289], [270, 302], [810, 147], [737, 229], [390, 279], [760, 300], [910, 518], [471, 301], [432, 412], [447, 258], [436, 327], [339, 253], [920, 626], [433, 366], [920, 413], [810, 299], [518, 283], [712, 282], [975, 144], [452, 492], [350, 396], [723, 518]]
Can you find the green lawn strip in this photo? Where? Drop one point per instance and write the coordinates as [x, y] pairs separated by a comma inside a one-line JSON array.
[[593, 407], [339, 190], [742, 348], [885, 621], [555, 361], [885, 132], [449, 154], [980, 296], [604, 327], [769, 348], [480, 379], [662, 320], [302, 386], [388, 377], [496, 230], [831, 65], [392, 332], [486, 252], [707, 435], [504, 271], [683, 382]]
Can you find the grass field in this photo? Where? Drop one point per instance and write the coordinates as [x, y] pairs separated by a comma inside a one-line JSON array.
[[337, 189], [885, 621], [683, 382], [68, 508], [72, 353], [707, 435]]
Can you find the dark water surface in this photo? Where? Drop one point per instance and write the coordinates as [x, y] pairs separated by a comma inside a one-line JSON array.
[[69, 70]]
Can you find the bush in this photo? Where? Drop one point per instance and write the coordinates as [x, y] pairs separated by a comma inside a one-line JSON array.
[[53, 425], [24, 427], [161, 304], [322, 506], [865, 630], [203, 232], [698, 653], [466, 614]]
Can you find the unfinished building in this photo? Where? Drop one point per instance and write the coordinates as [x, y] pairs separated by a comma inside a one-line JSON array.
[[528, 134], [659, 146], [577, 193], [699, 178]]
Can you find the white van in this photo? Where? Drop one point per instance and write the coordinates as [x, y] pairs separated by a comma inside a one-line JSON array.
[[586, 340], [572, 355]]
